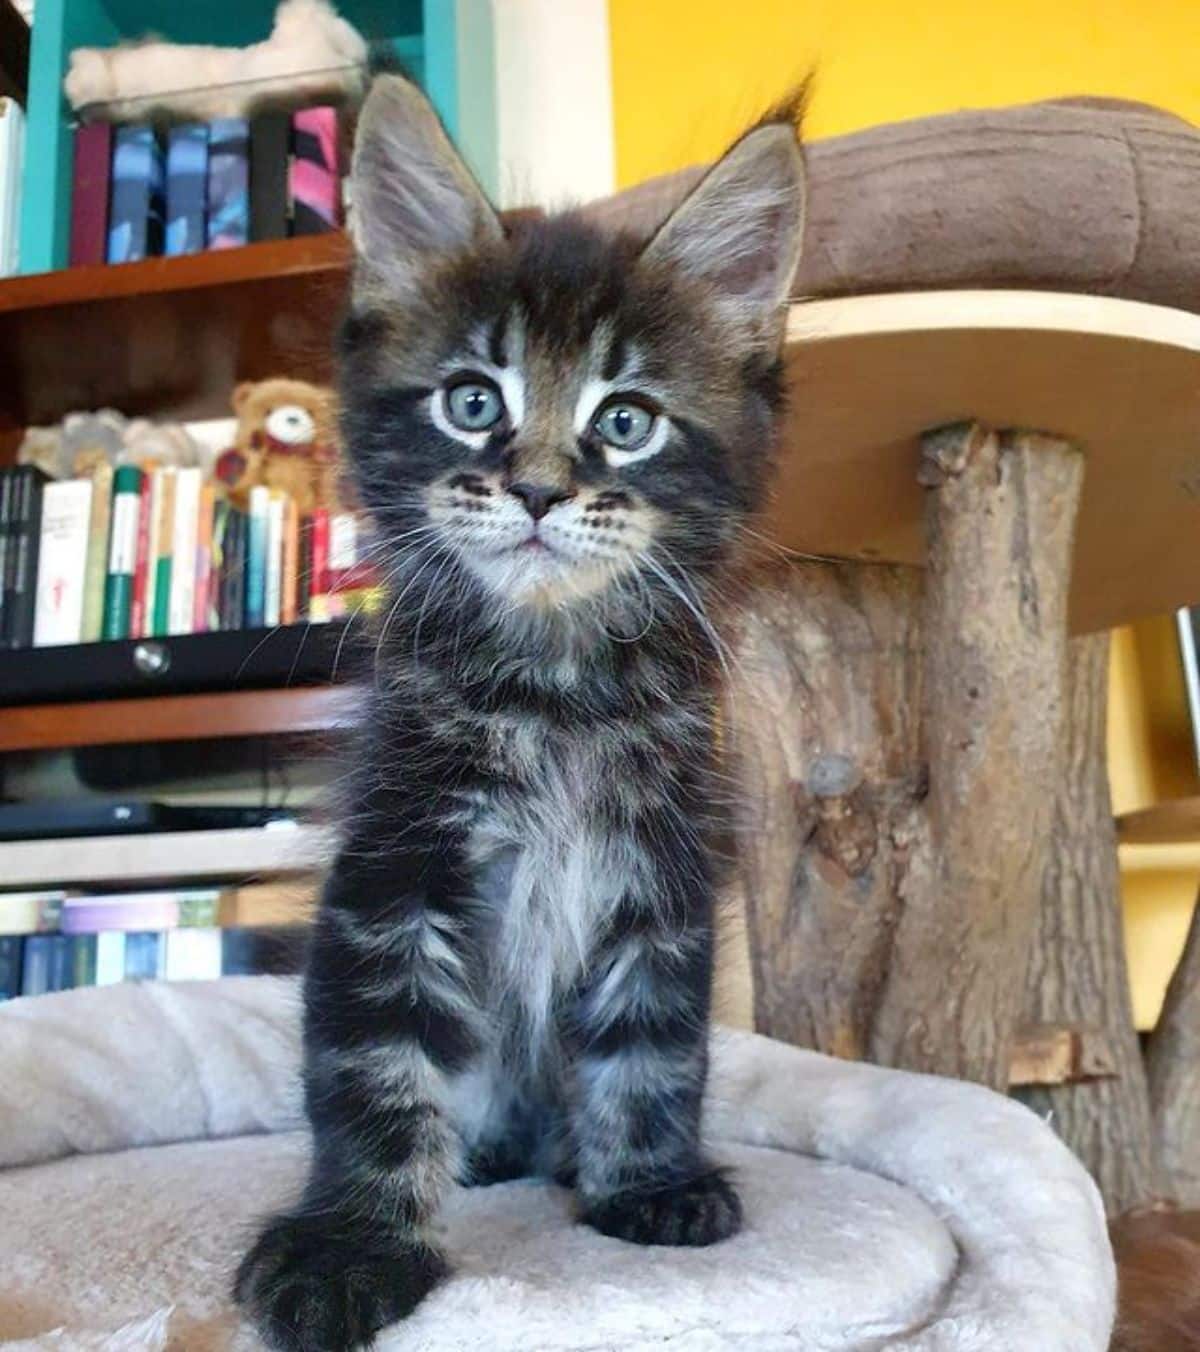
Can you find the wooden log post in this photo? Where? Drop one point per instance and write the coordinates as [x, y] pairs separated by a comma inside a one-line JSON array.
[[1174, 1071], [1077, 972], [897, 738]]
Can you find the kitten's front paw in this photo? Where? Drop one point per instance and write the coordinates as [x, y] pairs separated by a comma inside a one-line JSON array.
[[701, 1211], [312, 1284]]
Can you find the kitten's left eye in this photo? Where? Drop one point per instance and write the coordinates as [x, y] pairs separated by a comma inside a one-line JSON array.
[[625, 428]]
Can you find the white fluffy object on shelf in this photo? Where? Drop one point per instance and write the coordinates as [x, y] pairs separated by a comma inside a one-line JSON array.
[[312, 52]]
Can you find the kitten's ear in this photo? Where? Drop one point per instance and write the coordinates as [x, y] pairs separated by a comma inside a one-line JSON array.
[[414, 200], [740, 228]]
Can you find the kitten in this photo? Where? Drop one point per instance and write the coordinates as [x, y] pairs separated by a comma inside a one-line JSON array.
[[558, 434]]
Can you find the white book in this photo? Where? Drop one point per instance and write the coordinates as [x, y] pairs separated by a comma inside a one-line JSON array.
[[343, 542], [152, 532], [193, 954], [62, 562], [12, 157], [274, 591], [110, 957], [181, 612]]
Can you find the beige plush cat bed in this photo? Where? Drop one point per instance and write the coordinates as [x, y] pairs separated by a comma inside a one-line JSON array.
[[143, 1127]]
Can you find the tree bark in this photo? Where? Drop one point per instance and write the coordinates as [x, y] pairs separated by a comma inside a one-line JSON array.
[[895, 740], [1077, 972], [1174, 1073]]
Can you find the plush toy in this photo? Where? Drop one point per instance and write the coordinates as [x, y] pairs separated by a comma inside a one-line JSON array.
[[287, 439], [84, 440], [312, 55], [150, 445]]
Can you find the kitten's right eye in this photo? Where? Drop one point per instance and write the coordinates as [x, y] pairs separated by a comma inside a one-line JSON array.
[[474, 405]]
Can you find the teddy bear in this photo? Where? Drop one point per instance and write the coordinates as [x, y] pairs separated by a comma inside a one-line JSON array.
[[312, 55], [286, 439]]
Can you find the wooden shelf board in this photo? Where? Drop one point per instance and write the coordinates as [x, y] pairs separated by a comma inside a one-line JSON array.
[[1176, 822], [167, 718], [868, 374]]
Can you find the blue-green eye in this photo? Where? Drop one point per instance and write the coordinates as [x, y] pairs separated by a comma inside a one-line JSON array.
[[624, 426], [474, 405]]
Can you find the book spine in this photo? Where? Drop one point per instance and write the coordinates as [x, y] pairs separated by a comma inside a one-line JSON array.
[[83, 960], [135, 221], [272, 605], [61, 974], [187, 189], [163, 571], [10, 966], [92, 625], [7, 493], [122, 552], [154, 478], [12, 168], [193, 955], [110, 957], [91, 915], [89, 193], [237, 571], [35, 964], [141, 563], [213, 620], [145, 955], [26, 538], [289, 609], [270, 134], [318, 597], [314, 178], [228, 183], [183, 551], [62, 562], [256, 557], [204, 547]]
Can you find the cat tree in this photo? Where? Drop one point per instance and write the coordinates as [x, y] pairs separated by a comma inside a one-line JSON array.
[[928, 855]]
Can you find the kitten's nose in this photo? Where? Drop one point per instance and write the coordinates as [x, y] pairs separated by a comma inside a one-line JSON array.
[[539, 498]]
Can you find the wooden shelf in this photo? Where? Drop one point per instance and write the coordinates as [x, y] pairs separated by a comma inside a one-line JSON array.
[[1172, 823], [169, 336], [170, 718]]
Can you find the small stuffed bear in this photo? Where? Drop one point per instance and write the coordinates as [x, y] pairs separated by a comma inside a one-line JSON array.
[[286, 439]]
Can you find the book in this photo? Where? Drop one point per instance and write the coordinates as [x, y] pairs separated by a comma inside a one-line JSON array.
[[136, 205], [8, 489], [148, 560], [164, 538], [264, 905], [193, 955], [256, 556], [90, 192], [187, 189], [270, 138], [277, 951], [228, 183], [125, 911], [122, 552], [12, 162], [110, 957], [25, 510], [141, 562], [61, 965], [35, 963], [273, 588], [62, 562], [289, 606], [203, 558], [183, 550], [82, 950], [235, 572], [318, 593], [91, 625], [10, 966], [145, 956], [30, 912], [314, 178]]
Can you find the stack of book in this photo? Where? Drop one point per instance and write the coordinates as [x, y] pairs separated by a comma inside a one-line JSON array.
[[130, 554], [138, 191], [52, 941]]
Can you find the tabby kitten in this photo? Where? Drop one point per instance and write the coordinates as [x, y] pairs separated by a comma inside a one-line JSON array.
[[558, 434]]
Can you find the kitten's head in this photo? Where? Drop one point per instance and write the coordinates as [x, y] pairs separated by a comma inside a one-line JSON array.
[[555, 412]]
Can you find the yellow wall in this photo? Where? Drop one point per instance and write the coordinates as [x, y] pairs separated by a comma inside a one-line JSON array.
[[687, 74]]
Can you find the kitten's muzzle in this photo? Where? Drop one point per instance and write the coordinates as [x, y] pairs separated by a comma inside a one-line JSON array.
[[539, 498]]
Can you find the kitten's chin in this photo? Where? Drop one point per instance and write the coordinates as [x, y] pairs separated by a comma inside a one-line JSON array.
[[538, 578]]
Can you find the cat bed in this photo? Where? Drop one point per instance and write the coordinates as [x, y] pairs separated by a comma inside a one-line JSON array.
[[144, 1127]]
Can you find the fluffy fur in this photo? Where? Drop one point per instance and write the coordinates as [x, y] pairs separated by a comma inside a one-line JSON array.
[[513, 960]]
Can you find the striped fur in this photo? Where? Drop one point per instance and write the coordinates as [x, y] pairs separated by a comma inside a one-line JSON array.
[[512, 967]]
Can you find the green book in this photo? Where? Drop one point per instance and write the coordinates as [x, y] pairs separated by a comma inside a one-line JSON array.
[[122, 551]]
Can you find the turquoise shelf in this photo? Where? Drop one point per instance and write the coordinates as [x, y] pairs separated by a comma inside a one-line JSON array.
[[446, 45]]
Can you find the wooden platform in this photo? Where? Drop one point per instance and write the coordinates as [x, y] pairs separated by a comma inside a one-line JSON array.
[[1121, 378]]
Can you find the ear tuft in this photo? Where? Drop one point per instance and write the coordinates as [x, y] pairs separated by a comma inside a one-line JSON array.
[[740, 229], [414, 201]]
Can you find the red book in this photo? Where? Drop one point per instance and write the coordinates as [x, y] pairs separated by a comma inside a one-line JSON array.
[[204, 541], [138, 621], [318, 584], [89, 193]]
